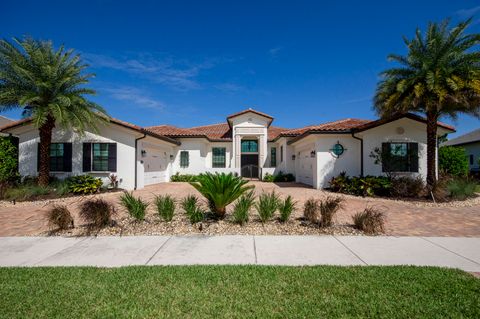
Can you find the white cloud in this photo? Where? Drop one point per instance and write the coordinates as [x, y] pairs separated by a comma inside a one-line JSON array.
[[229, 87], [135, 96], [177, 74], [469, 12], [275, 51]]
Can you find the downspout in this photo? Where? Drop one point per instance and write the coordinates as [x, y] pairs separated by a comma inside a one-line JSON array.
[[361, 152], [136, 153]]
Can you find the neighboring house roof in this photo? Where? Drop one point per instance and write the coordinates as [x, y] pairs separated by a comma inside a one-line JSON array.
[[27, 121], [4, 120], [470, 137]]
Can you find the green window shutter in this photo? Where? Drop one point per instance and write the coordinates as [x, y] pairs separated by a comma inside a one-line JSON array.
[[273, 157], [184, 160], [413, 157], [112, 157], [385, 155], [218, 157], [67, 157], [87, 157], [281, 154]]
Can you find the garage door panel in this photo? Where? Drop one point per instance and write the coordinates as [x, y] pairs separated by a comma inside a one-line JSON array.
[[306, 168], [155, 166]]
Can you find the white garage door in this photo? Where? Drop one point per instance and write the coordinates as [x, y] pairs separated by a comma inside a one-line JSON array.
[[155, 165], [306, 168]]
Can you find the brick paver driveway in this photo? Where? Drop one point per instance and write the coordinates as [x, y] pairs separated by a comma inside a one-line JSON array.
[[403, 218]]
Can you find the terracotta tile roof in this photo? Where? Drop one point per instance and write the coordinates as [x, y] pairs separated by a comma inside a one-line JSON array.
[[134, 127]]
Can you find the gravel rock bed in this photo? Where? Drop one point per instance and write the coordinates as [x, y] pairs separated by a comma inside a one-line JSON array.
[[152, 225]]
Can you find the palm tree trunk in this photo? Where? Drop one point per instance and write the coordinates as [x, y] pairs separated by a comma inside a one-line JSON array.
[[432, 118], [45, 132]]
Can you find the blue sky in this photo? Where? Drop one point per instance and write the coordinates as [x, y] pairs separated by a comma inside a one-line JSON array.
[[193, 63]]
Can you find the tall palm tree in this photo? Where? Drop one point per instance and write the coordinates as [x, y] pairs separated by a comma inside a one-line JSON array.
[[48, 85], [439, 76]]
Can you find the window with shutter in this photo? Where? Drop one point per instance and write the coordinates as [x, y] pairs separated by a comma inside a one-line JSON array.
[[184, 159], [400, 157]]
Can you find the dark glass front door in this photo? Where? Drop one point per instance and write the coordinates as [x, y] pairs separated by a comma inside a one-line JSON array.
[[250, 165]]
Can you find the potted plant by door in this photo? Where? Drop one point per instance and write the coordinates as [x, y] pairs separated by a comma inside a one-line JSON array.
[[113, 181]]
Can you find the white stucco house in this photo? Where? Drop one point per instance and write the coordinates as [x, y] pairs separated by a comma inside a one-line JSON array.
[[246, 144]]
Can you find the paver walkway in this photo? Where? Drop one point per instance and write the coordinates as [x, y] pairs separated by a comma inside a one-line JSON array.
[[403, 218], [462, 253]]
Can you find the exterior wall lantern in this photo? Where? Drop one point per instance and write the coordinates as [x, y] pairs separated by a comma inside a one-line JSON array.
[[171, 157], [144, 153], [293, 157], [312, 153]]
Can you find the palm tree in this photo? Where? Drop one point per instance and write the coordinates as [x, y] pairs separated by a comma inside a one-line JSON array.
[[439, 76], [220, 190], [48, 85]]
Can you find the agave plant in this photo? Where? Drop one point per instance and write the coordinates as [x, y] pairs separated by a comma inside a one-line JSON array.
[[220, 190]]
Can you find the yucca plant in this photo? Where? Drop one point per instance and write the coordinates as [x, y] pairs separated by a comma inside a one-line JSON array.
[[242, 207], [135, 206], [165, 207], [220, 190], [192, 209], [286, 208], [267, 205]]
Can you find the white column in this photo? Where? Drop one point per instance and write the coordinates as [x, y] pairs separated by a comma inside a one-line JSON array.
[[261, 150], [237, 150]]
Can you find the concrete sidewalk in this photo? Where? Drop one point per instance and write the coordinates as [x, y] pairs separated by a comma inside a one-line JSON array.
[[462, 253]]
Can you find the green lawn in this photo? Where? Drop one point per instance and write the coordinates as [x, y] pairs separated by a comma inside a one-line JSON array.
[[238, 291]]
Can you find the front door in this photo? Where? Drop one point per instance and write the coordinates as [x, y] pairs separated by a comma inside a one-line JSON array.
[[249, 165]]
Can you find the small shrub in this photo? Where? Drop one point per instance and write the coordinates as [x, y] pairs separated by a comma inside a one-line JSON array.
[[439, 190], [452, 160], [361, 186], [269, 178], [407, 187], [280, 177], [192, 209], [60, 217], [242, 207], [135, 206], [165, 207], [370, 220], [286, 208], [97, 212], [84, 184], [328, 208], [266, 205], [311, 211], [8, 164], [26, 192], [183, 178], [461, 188]]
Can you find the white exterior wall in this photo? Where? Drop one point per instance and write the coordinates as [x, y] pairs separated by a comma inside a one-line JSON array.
[[328, 165], [414, 131], [200, 157], [125, 140]]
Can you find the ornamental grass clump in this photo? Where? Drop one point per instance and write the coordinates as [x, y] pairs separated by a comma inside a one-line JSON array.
[[59, 217], [242, 207], [165, 207], [328, 208], [311, 211], [267, 205], [220, 190], [371, 220], [135, 206], [286, 208], [97, 212], [192, 209]]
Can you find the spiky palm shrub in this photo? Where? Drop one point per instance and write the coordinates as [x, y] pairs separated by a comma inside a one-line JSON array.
[[439, 76], [135, 206], [192, 209], [165, 207], [220, 190], [49, 86], [242, 207], [286, 208], [267, 205]]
